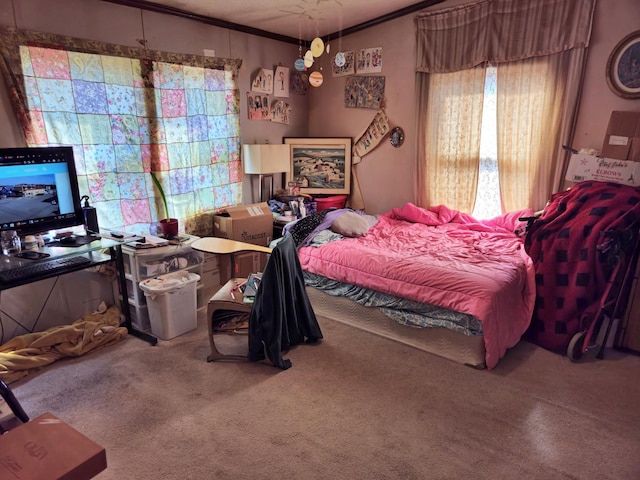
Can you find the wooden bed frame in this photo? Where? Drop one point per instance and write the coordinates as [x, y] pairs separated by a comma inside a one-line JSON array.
[[467, 350]]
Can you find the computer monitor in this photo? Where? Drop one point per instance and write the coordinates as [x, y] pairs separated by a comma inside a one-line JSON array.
[[38, 190]]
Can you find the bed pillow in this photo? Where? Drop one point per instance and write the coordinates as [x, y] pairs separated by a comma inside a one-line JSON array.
[[350, 224]]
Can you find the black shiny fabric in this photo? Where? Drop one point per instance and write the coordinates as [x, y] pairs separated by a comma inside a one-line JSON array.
[[282, 315]]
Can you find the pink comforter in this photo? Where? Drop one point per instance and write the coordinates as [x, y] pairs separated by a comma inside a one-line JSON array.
[[445, 258]]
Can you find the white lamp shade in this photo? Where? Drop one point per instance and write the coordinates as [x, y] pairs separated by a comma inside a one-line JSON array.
[[265, 158]]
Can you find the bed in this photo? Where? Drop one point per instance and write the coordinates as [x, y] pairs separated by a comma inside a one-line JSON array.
[[436, 279]]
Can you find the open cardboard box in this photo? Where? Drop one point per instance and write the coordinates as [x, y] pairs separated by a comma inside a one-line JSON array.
[[245, 223]]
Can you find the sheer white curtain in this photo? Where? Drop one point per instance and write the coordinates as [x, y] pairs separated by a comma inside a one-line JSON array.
[[536, 105], [454, 121]]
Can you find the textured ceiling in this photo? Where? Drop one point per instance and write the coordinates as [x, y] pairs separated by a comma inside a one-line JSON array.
[[292, 18]]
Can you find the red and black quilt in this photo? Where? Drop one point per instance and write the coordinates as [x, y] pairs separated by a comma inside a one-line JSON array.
[[570, 245]]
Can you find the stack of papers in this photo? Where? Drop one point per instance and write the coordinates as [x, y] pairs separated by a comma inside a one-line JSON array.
[[151, 241], [119, 236]]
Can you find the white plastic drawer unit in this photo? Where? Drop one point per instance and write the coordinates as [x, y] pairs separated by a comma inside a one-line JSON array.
[[141, 264], [154, 265]]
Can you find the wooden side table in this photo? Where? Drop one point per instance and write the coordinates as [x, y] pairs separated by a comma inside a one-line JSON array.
[[227, 298]]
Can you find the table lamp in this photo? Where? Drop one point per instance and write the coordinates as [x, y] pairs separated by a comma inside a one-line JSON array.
[[264, 160]]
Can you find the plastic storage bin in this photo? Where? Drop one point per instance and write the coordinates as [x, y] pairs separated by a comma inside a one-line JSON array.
[[334, 201], [172, 303]]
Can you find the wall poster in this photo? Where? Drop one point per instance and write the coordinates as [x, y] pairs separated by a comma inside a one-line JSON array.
[[258, 106], [349, 67], [281, 82], [369, 60], [373, 135], [280, 111], [364, 92], [263, 81], [299, 83]]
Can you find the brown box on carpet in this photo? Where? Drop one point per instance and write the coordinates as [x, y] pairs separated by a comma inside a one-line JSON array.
[[246, 263], [622, 140], [47, 448]]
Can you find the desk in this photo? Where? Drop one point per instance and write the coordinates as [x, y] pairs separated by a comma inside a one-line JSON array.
[[93, 251]]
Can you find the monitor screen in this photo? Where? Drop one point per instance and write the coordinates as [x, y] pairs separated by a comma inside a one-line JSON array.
[[38, 190]]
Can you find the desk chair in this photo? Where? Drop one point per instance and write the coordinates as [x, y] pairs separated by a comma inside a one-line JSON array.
[[281, 315]]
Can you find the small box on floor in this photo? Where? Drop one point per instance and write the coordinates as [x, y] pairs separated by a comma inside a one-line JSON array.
[[46, 448]]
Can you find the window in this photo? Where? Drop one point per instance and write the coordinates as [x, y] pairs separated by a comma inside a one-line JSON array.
[[487, 204]]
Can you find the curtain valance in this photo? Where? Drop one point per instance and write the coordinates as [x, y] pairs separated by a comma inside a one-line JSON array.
[[499, 31]]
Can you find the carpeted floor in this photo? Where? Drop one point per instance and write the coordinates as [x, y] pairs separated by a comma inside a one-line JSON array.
[[356, 406]]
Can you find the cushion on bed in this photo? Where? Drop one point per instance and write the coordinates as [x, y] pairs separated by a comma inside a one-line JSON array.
[[350, 224]]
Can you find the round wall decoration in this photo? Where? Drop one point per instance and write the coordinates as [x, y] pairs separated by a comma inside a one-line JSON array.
[[623, 67], [317, 47], [396, 137], [315, 79]]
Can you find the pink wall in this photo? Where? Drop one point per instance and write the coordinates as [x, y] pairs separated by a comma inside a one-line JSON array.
[[386, 174], [614, 20], [108, 22]]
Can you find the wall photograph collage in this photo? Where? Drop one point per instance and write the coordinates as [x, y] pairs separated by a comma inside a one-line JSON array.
[[266, 101]]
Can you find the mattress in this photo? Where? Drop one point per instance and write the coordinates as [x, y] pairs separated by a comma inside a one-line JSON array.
[[463, 349]]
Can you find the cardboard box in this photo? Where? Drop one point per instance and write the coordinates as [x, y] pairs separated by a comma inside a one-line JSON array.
[[622, 140], [246, 223], [46, 448], [589, 167], [246, 263]]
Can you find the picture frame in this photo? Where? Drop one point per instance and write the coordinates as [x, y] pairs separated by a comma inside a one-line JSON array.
[[320, 166], [623, 74]]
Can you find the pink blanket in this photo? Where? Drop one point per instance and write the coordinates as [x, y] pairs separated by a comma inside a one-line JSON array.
[[442, 257]]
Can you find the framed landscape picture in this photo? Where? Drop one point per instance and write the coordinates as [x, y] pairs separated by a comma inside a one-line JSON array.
[[320, 166]]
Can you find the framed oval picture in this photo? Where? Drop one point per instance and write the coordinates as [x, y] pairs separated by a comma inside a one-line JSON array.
[[623, 67]]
